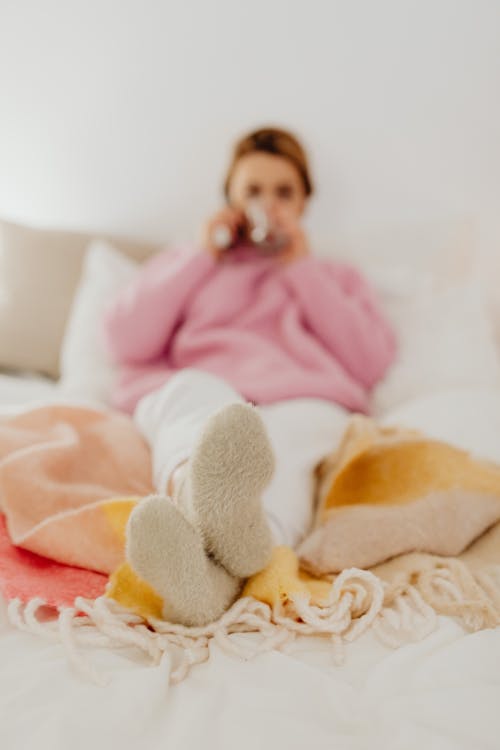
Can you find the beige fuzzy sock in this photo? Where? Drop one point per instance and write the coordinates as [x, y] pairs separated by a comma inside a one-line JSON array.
[[196, 548], [167, 551], [222, 488]]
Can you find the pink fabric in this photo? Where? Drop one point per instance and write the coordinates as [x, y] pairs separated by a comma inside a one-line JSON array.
[[312, 328], [24, 576], [68, 477]]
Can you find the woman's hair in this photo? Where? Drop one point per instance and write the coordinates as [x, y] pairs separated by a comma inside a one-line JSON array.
[[272, 141]]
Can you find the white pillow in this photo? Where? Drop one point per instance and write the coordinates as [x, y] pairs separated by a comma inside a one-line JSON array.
[[466, 417], [445, 339], [86, 370], [445, 248]]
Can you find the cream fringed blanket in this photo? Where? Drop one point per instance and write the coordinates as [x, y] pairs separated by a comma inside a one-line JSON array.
[[70, 476], [420, 514]]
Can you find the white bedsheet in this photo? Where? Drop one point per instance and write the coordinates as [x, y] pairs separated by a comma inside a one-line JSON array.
[[16, 390], [442, 693]]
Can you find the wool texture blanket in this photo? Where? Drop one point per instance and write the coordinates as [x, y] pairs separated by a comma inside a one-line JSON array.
[[68, 479], [406, 528]]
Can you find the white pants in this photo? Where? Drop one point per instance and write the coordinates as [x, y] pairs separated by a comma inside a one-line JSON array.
[[301, 431]]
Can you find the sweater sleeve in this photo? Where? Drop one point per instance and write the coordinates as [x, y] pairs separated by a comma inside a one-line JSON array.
[[139, 322], [341, 309]]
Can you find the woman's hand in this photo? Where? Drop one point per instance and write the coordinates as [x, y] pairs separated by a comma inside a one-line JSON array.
[[230, 218], [287, 224]]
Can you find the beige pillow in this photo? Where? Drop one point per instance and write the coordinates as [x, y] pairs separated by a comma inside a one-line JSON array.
[[39, 272]]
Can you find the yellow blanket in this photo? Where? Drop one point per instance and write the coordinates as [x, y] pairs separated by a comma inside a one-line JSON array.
[[420, 514], [405, 528]]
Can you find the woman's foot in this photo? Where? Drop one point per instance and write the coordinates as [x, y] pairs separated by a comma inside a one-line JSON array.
[[224, 480], [165, 550]]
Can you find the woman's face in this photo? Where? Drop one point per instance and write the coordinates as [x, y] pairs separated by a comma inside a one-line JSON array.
[[270, 178]]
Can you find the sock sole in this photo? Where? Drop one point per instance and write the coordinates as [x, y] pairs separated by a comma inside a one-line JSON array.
[[167, 552], [228, 472]]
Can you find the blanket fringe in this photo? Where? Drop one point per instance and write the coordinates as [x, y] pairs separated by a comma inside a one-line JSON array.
[[358, 601], [455, 589]]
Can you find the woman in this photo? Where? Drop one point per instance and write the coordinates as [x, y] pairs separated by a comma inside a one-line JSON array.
[[200, 333]]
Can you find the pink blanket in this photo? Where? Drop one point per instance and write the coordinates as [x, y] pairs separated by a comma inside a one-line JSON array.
[[26, 576], [68, 477]]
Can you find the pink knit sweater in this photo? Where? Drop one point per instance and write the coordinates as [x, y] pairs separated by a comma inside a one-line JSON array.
[[312, 328]]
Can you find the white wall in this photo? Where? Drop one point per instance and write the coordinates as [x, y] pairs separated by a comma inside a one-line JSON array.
[[118, 114]]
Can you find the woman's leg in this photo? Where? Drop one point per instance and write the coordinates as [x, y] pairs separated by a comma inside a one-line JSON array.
[[220, 533], [229, 469], [173, 417], [196, 554], [302, 433], [198, 419]]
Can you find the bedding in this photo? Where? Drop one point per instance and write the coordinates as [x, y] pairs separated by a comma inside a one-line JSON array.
[[23, 390], [39, 272], [86, 370], [70, 476], [435, 327], [440, 692], [62, 470]]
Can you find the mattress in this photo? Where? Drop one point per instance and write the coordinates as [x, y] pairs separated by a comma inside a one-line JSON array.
[[24, 389], [442, 693]]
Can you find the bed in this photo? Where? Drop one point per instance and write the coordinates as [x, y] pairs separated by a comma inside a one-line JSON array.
[[442, 692], [23, 389]]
